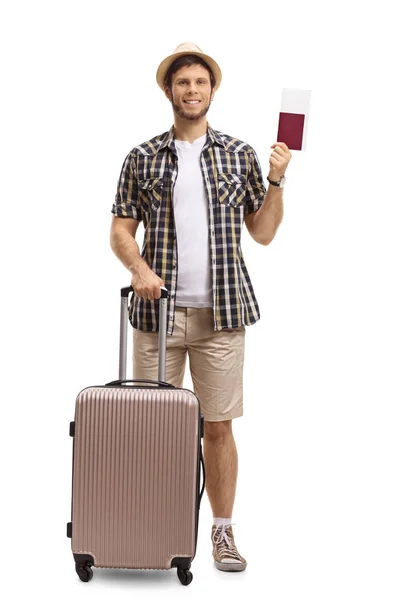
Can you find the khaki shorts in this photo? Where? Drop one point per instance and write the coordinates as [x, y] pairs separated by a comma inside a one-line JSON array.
[[216, 360]]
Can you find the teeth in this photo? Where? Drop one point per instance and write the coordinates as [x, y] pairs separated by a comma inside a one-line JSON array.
[[192, 101]]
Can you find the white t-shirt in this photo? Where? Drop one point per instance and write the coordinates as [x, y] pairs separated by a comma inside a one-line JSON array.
[[194, 286]]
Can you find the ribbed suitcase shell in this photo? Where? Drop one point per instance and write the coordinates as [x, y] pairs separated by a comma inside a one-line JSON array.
[[135, 476]]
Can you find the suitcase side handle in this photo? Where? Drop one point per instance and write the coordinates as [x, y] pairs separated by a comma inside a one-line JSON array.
[[204, 474], [121, 381]]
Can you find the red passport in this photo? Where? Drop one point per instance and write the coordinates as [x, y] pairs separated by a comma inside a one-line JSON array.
[[290, 130]]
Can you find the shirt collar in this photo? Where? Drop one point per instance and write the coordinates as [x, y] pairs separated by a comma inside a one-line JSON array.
[[213, 137], [168, 140]]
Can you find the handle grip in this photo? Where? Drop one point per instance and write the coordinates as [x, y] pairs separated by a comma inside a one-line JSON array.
[[121, 381], [125, 291]]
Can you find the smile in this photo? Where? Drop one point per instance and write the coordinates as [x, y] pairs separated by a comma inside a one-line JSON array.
[[192, 101]]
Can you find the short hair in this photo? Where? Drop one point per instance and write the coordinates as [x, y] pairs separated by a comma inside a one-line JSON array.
[[186, 61]]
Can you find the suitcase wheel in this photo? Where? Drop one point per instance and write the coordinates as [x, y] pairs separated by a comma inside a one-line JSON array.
[[185, 576], [85, 573]]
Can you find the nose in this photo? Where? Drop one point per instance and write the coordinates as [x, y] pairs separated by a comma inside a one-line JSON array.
[[192, 87]]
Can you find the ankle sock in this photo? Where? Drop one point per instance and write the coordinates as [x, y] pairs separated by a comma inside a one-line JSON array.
[[222, 521]]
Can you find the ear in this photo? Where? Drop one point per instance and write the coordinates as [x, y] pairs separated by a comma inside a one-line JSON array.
[[167, 93]]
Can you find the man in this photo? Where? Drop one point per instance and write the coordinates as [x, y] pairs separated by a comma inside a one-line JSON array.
[[193, 187]]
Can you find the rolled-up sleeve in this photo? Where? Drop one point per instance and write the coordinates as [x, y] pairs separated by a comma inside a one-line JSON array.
[[255, 188], [126, 203]]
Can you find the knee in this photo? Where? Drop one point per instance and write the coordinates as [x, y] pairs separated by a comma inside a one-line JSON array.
[[217, 430]]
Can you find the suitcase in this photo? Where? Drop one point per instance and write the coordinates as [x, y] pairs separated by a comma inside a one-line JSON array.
[[136, 463]]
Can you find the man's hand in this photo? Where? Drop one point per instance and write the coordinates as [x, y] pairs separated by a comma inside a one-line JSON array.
[[146, 283], [278, 161]]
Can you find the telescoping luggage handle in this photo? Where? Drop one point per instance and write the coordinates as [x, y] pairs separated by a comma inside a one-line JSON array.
[[162, 352], [162, 341]]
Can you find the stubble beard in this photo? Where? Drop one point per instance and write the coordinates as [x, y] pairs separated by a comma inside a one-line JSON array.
[[187, 115]]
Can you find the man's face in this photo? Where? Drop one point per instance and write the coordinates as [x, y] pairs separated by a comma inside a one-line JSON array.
[[191, 92]]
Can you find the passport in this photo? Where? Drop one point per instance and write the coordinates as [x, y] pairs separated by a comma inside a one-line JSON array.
[[293, 118], [290, 130]]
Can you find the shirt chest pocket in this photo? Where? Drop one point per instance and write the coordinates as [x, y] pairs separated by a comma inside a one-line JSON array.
[[151, 192], [231, 188]]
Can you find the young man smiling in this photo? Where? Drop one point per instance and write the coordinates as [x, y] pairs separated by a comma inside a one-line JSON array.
[[193, 187]]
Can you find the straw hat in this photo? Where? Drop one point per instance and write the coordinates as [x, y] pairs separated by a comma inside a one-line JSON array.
[[181, 50]]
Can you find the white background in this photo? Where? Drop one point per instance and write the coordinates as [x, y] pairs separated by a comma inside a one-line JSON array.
[[318, 496]]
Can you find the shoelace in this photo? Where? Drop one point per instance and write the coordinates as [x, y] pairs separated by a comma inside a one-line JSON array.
[[223, 536]]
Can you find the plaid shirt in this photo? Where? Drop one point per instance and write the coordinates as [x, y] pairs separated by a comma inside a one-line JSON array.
[[234, 186]]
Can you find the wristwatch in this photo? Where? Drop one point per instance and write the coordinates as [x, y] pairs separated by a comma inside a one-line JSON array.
[[279, 183]]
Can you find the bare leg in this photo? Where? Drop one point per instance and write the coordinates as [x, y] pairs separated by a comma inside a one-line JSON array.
[[221, 464]]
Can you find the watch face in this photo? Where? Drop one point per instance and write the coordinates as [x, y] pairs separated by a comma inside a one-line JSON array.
[[282, 181]]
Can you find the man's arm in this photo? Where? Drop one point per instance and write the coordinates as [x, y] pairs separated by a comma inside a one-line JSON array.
[[263, 223], [123, 243], [145, 282]]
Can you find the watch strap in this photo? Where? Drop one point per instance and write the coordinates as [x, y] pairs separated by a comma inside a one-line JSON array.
[[277, 183]]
